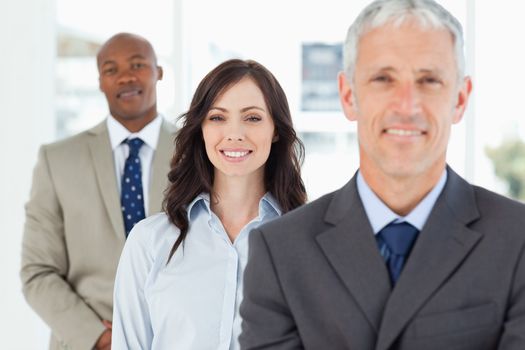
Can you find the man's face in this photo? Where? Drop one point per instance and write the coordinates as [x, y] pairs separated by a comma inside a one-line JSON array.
[[405, 96], [128, 75]]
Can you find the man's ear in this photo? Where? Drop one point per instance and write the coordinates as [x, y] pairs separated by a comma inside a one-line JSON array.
[[160, 73], [462, 101], [346, 96]]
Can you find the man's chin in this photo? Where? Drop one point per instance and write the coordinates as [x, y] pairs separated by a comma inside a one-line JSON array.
[[129, 115], [409, 169], [404, 168]]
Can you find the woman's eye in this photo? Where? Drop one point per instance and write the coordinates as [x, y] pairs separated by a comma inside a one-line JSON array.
[[215, 118], [253, 118]]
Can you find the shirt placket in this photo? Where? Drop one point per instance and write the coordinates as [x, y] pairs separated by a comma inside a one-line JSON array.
[[230, 285]]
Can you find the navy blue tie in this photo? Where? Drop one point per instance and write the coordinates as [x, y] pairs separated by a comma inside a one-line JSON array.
[[398, 239], [132, 196]]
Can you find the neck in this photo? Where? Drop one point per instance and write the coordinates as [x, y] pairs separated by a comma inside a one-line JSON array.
[[401, 193], [136, 124], [236, 202]]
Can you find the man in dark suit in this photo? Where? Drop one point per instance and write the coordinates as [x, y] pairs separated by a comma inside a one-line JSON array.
[[407, 255], [78, 215]]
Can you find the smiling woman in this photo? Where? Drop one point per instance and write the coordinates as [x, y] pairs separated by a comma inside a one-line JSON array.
[[236, 166], [238, 132]]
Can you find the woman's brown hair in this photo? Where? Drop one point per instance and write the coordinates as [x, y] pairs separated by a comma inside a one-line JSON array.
[[192, 172]]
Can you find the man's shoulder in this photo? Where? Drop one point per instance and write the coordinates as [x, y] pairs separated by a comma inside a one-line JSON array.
[[165, 142], [168, 126], [302, 220], [495, 206], [481, 208], [71, 143]]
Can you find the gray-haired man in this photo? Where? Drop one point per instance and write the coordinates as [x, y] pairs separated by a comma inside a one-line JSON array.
[[407, 255]]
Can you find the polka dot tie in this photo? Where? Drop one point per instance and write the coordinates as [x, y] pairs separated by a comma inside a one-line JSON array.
[[399, 239], [131, 196]]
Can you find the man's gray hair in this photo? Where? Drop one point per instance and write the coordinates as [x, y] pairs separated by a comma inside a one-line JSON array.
[[428, 14]]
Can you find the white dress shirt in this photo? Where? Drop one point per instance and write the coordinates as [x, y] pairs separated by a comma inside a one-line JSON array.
[[149, 134], [191, 303]]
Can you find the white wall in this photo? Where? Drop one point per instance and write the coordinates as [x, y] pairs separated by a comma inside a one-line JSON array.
[[27, 38]]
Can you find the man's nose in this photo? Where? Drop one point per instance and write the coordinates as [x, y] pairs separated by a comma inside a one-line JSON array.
[[407, 100], [126, 77]]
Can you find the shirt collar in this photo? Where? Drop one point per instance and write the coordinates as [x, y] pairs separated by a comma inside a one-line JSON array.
[[269, 203], [380, 215], [202, 202], [149, 134]]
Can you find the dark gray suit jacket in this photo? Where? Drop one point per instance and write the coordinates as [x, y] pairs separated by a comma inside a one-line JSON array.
[[315, 278]]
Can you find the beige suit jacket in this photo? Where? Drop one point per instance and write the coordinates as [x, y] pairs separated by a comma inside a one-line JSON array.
[[74, 233]]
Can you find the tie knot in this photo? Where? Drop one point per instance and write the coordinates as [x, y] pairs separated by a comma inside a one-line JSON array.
[[134, 145], [399, 237]]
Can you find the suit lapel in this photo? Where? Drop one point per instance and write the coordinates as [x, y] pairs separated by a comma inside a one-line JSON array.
[[160, 168], [102, 158], [351, 249], [442, 246]]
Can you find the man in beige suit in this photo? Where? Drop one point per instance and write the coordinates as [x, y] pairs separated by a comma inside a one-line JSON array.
[[74, 229]]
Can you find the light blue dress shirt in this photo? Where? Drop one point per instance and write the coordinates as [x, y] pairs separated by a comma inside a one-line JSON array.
[[379, 215], [192, 302]]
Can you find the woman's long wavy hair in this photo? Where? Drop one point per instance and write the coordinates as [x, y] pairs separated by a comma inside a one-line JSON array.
[[192, 172]]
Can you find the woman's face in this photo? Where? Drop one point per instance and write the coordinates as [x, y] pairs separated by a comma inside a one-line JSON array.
[[238, 131]]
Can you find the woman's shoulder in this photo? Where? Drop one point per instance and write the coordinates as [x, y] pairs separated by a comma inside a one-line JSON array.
[[152, 231], [155, 221]]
